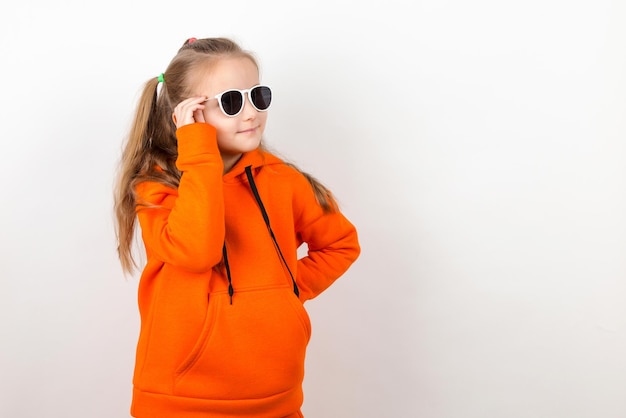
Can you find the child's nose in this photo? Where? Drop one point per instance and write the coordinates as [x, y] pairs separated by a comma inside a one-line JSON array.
[[248, 110]]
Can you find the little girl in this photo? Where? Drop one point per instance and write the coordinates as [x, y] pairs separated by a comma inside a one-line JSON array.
[[223, 327]]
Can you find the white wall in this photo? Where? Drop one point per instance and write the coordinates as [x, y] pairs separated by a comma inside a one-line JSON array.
[[478, 146]]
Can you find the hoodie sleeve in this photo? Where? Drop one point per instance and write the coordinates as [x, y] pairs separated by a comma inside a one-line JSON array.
[[184, 227], [332, 243]]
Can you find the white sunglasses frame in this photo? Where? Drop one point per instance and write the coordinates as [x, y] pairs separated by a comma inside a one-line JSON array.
[[243, 103]]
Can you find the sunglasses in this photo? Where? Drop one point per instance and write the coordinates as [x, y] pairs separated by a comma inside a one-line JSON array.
[[231, 101]]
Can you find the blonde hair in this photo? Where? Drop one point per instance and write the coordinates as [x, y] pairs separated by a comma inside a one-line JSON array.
[[150, 150]]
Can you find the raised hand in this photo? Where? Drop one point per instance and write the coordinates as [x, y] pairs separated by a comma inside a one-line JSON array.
[[189, 111]]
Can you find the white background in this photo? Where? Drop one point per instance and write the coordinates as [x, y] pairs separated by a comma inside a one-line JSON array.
[[479, 147]]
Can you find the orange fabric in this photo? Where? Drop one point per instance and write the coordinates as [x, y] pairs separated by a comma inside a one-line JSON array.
[[198, 355]]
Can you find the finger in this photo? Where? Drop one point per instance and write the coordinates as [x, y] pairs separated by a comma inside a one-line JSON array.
[[186, 107], [198, 115]]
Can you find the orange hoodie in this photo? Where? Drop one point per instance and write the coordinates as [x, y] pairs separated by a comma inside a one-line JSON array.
[[199, 355]]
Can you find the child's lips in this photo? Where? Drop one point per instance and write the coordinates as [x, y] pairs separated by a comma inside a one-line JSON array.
[[248, 131]]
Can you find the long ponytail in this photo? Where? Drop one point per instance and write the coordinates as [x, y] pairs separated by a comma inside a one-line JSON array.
[[150, 144]]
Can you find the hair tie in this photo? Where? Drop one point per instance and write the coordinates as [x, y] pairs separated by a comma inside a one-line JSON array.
[[191, 40], [161, 78]]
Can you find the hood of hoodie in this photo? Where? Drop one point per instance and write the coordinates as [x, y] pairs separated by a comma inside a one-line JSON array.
[[256, 159]]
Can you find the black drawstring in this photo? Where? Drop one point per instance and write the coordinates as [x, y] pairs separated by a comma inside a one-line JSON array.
[[269, 228], [230, 280]]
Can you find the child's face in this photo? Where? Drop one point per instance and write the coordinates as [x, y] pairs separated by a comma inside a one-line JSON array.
[[242, 133]]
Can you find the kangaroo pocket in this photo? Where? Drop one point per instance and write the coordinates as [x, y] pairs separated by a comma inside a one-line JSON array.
[[252, 349]]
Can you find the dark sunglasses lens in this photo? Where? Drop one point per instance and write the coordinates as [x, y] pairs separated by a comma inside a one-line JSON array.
[[232, 102], [261, 97]]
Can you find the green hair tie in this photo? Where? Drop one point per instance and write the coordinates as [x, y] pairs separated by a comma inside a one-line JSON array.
[[161, 78]]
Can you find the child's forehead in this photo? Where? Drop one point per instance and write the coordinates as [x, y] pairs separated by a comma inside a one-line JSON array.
[[224, 73]]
